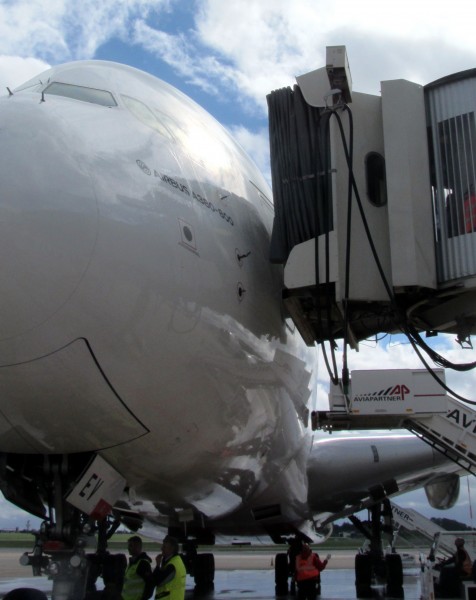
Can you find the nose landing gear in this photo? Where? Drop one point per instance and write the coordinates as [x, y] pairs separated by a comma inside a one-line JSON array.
[[70, 548]]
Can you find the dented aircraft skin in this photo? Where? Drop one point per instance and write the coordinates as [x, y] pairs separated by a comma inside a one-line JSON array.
[[141, 320]]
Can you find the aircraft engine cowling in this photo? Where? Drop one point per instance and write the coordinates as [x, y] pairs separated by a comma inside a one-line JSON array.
[[443, 492]]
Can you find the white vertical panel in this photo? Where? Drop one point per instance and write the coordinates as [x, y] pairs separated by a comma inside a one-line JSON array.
[[408, 184]]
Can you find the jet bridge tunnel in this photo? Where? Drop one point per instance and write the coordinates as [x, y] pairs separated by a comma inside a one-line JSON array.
[[375, 204]]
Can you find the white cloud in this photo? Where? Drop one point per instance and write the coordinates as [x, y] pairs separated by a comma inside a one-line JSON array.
[[61, 30], [32, 28], [180, 52], [274, 40]]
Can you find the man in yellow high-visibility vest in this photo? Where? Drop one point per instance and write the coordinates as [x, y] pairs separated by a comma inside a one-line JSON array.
[[137, 579], [170, 574]]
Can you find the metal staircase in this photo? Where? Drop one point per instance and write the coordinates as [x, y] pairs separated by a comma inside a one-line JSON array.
[[404, 399], [414, 522]]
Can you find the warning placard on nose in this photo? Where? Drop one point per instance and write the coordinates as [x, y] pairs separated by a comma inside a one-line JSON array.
[[97, 490]]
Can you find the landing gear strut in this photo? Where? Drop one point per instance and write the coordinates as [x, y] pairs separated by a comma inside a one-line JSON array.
[[74, 562], [373, 566], [70, 548]]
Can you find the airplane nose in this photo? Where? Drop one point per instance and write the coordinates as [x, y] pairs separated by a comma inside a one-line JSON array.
[[48, 216]]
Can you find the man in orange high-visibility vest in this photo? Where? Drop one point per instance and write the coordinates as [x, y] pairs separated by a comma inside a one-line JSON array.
[[308, 573]]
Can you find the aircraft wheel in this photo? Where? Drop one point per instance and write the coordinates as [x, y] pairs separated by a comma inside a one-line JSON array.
[[363, 576], [281, 573], [204, 572], [281, 589], [26, 594], [394, 592], [394, 569]]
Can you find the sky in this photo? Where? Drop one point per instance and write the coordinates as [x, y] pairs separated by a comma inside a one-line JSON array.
[[228, 55]]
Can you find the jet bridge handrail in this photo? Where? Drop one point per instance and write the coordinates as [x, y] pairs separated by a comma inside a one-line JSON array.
[[404, 399]]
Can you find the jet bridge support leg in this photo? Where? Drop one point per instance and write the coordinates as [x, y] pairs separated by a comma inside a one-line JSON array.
[[373, 567]]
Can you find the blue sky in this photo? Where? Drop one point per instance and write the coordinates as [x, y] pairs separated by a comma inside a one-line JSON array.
[[228, 54]]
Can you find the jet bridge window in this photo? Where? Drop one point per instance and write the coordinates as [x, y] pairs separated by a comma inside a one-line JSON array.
[[376, 179], [78, 92], [457, 171]]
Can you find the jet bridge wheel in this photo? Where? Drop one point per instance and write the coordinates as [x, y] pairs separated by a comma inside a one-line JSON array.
[[281, 574]]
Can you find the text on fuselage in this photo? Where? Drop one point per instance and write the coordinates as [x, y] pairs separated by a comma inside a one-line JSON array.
[[184, 189]]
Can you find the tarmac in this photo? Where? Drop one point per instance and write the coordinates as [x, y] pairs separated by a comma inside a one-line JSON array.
[[241, 575]]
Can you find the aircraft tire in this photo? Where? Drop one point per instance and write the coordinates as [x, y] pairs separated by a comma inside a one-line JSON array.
[[281, 568], [281, 574], [204, 571], [363, 576], [25, 594], [281, 589], [394, 570], [394, 592], [363, 591], [363, 569]]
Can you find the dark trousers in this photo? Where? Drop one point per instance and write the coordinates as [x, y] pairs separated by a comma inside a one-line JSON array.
[[449, 583], [307, 589]]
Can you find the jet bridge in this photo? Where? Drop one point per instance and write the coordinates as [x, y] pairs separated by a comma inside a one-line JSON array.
[[404, 399], [375, 204]]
